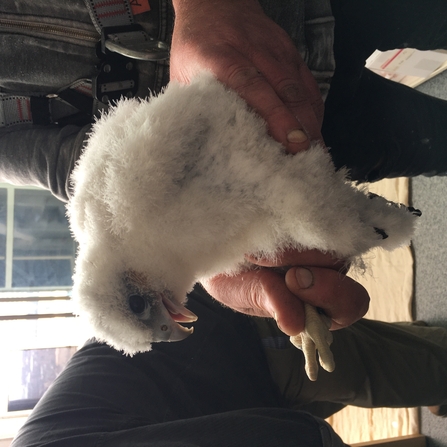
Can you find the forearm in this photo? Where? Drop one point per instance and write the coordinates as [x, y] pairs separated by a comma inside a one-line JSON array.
[[41, 156]]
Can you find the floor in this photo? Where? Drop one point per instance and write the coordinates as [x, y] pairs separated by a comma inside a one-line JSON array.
[[430, 256]]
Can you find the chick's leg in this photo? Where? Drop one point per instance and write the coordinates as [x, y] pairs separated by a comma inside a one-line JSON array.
[[315, 337]]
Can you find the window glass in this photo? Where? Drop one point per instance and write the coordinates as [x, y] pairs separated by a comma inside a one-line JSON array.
[[31, 372], [40, 225], [41, 272], [3, 212], [36, 248]]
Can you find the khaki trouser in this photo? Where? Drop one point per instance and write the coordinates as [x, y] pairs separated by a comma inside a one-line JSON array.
[[377, 365]]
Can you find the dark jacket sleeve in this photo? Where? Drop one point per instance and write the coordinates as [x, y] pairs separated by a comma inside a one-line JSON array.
[[41, 156]]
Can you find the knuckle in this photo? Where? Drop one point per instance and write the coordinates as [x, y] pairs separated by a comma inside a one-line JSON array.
[[243, 77], [292, 92], [275, 111], [257, 294]]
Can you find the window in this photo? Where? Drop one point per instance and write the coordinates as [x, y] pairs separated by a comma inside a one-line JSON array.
[[38, 332], [31, 372], [36, 248]]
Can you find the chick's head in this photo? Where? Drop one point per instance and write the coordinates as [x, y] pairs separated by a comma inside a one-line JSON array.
[[126, 309]]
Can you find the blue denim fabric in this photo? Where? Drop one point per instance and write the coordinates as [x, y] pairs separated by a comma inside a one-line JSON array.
[[310, 25], [36, 62]]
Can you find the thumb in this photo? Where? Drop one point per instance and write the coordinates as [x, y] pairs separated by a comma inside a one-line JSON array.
[[342, 299], [261, 292]]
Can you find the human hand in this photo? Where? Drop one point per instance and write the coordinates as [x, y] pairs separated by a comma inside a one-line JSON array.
[[265, 292], [252, 55]]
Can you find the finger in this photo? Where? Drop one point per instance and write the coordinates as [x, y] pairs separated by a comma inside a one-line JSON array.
[[272, 102], [243, 77], [296, 87], [262, 293], [298, 94], [342, 299], [296, 257]]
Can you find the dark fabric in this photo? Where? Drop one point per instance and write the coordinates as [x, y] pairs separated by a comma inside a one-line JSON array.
[[376, 127], [264, 427], [258, 427], [378, 364], [172, 395]]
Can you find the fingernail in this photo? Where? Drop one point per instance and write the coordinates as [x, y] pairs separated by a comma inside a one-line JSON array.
[[304, 277], [296, 136]]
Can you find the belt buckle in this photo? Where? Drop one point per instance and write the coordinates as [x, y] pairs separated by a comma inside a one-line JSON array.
[[133, 42], [117, 77]]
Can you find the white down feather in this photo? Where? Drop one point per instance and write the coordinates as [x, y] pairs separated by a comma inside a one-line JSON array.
[[181, 186]]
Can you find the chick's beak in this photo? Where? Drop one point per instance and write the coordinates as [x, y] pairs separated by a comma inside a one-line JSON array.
[[179, 312], [165, 319]]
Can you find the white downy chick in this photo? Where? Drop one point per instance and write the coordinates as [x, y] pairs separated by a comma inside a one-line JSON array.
[[178, 188]]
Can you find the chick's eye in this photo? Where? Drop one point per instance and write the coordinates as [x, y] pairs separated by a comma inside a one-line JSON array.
[[137, 304]]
